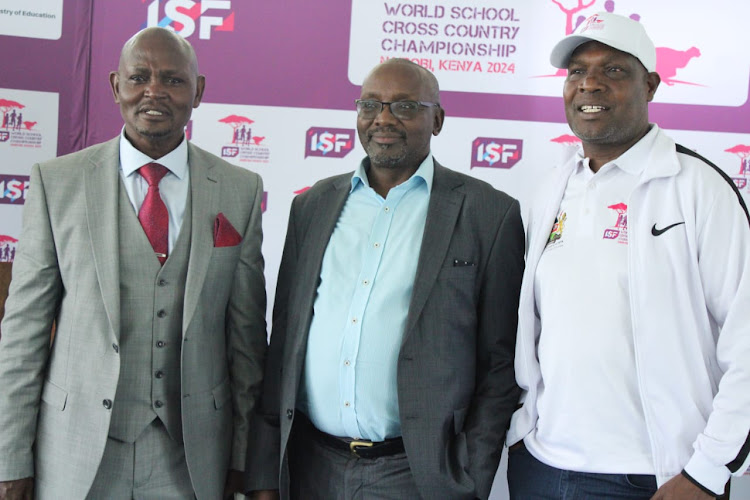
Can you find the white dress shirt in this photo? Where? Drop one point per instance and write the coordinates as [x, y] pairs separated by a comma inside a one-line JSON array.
[[173, 187]]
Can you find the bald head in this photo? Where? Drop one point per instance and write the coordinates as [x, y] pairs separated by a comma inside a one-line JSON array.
[[428, 81], [156, 35]]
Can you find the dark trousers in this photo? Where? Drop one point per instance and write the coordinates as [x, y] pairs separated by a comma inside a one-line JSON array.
[[528, 478], [319, 472]]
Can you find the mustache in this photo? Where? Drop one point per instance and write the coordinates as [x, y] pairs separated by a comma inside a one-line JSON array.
[[386, 130]]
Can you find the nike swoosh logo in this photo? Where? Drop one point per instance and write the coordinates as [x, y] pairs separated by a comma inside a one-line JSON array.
[[659, 232]]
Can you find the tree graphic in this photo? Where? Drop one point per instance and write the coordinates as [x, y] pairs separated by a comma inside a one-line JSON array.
[[622, 215], [6, 106], [569, 13], [743, 152], [236, 122]]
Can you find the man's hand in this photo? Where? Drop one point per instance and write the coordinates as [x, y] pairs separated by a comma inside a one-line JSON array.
[[265, 495], [234, 483], [19, 489], [680, 488]]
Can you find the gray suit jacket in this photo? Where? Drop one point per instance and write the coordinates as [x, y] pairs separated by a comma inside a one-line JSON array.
[[456, 385], [52, 413]]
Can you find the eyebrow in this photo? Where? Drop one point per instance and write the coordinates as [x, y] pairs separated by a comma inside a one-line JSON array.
[[397, 97], [161, 72]]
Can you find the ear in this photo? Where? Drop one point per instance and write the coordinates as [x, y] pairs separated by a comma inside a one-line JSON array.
[[114, 83], [652, 80], [437, 124], [199, 88]]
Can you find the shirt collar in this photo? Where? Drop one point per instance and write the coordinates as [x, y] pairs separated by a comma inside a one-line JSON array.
[[131, 159], [632, 161], [425, 172]]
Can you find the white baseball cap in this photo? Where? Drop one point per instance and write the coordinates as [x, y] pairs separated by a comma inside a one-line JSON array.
[[619, 32]]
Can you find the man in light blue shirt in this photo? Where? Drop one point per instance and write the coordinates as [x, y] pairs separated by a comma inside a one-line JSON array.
[[390, 371]]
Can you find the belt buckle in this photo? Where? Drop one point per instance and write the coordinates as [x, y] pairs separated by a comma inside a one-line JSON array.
[[355, 445]]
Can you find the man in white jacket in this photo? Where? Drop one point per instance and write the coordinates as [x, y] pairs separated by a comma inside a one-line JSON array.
[[633, 344]]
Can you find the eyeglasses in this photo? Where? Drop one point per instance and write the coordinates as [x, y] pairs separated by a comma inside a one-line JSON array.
[[368, 109]]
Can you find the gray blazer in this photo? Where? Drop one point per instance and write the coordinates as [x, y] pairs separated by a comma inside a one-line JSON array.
[[456, 385], [52, 413]]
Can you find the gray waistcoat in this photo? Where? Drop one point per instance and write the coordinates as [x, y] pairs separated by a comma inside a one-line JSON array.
[[151, 303]]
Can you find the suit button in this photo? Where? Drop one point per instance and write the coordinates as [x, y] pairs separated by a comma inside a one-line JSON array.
[[116, 347], [158, 403], [159, 374], [161, 313], [107, 403], [289, 414], [160, 343], [162, 282]]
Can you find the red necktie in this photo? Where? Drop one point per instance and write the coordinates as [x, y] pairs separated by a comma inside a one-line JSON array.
[[153, 214]]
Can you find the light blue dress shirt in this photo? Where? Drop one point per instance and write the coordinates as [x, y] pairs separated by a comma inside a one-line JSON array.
[[173, 187], [348, 388]]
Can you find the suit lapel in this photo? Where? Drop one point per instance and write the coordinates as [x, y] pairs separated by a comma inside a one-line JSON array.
[[322, 221], [102, 186], [442, 213], [204, 186]]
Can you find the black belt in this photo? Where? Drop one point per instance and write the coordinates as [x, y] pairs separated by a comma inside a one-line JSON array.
[[361, 448]]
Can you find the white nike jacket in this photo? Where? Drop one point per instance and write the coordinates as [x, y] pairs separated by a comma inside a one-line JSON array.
[[690, 306]]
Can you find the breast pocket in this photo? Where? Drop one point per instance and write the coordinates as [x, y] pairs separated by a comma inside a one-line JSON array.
[[458, 272]]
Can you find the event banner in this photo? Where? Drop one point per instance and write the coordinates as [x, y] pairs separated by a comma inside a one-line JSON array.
[[503, 47], [28, 135]]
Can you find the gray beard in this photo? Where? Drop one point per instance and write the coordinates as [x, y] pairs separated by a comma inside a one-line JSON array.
[[379, 157]]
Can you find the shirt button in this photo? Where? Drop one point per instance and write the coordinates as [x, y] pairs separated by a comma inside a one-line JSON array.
[[159, 374], [116, 347], [161, 313], [377, 245], [354, 321], [387, 209], [162, 282], [107, 403], [347, 362], [346, 403], [159, 343], [158, 403], [289, 413], [365, 282]]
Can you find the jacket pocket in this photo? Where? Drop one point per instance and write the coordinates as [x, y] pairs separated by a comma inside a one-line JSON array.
[[54, 396], [452, 272], [222, 393], [458, 419]]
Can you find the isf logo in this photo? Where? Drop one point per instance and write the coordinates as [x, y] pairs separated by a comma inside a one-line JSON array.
[[13, 189], [329, 142], [230, 152], [184, 16], [491, 152]]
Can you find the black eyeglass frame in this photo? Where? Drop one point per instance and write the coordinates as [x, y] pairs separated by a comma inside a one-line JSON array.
[[422, 104]]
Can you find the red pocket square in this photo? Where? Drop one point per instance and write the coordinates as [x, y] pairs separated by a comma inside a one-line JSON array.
[[225, 235]]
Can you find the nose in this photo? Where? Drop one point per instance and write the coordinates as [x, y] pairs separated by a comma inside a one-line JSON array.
[[591, 82], [155, 88], [385, 115]]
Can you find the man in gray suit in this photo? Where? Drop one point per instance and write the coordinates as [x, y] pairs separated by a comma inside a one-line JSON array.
[[390, 371], [149, 386]]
